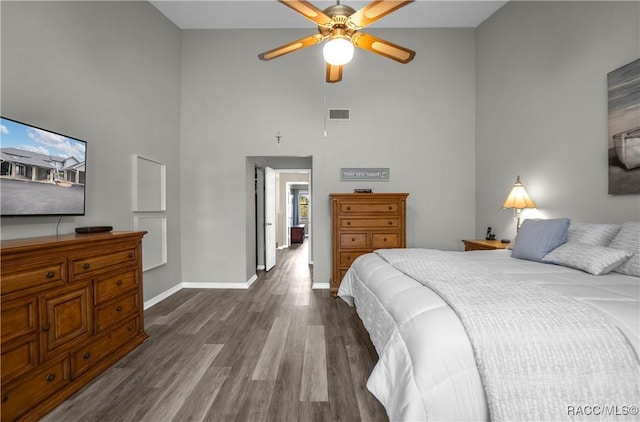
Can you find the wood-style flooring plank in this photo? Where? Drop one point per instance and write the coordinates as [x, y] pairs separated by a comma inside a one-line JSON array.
[[269, 362], [278, 351], [184, 381], [314, 369]]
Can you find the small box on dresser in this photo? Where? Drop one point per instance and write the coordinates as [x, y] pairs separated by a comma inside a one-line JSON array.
[[362, 223], [71, 307]]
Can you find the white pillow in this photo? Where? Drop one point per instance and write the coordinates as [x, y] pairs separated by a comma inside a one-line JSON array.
[[592, 234], [628, 239], [593, 259]]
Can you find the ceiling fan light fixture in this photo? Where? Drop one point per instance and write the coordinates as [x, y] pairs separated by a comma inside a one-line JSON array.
[[338, 51]]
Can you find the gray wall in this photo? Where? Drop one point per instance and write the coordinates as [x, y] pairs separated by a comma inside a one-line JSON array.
[[542, 109], [107, 73], [417, 119], [122, 77]]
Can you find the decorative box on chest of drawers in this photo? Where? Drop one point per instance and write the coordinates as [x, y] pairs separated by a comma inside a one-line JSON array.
[[71, 307], [362, 223]]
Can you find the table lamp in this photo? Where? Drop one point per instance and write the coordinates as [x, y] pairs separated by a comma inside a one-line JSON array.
[[518, 199]]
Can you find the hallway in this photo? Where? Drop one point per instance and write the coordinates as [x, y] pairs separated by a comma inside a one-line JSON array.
[[276, 352]]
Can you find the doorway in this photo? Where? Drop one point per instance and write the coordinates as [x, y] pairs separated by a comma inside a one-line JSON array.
[[292, 179]]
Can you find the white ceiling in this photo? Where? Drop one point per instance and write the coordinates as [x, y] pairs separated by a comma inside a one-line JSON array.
[[260, 14]]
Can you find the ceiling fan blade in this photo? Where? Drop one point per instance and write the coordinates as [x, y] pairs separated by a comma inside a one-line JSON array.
[[374, 11], [334, 73], [308, 10], [382, 47], [291, 47]]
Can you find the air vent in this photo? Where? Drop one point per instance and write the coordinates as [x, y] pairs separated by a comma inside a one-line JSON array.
[[340, 114]]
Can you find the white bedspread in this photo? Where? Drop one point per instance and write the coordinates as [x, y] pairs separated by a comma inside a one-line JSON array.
[[427, 369]]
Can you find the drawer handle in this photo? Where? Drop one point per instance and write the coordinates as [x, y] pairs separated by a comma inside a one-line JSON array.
[[348, 223], [384, 240], [390, 223], [348, 208], [130, 328], [5, 399], [86, 355], [85, 266], [119, 308], [353, 239], [51, 377], [45, 328], [130, 255], [50, 274], [348, 258], [119, 282], [390, 208]]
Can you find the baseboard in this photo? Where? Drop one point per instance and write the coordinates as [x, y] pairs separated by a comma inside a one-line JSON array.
[[162, 296], [208, 285], [320, 286], [252, 280], [215, 285]]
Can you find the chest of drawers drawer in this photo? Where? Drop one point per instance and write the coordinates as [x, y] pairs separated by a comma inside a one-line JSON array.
[[84, 357], [43, 275], [353, 240], [347, 258], [368, 223], [347, 208], [385, 240], [114, 284], [18, 318], [80, 266], [19, 357], [112, 312], [23, 394]]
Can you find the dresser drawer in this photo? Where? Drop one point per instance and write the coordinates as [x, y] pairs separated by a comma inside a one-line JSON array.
[[385, 240], [368, 208], [22, 395], [18, 318], [353, 240], [369, 223], [83, 358], [34, 276], [114, 284], [347, 258], [109, 314], [18, 357], [84, 265]]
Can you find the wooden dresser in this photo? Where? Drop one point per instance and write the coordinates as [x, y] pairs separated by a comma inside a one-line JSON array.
[[363, 222], [71, 307]]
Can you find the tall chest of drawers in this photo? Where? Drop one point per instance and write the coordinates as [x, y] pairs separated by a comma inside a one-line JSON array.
[[71, 307], [362, 223]]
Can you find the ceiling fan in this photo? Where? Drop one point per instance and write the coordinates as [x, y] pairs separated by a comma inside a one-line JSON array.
[[340, 25]]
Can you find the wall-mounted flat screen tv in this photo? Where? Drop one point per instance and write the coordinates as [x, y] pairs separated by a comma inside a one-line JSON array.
[[41, 172]]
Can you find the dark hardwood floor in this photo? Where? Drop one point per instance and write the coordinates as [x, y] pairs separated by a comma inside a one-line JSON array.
[[276, 352]]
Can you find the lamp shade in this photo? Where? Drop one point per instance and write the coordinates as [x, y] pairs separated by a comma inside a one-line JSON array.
[[338, 51], [518, 198]]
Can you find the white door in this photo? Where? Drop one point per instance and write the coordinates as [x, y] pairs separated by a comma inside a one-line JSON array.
[[269, 218]]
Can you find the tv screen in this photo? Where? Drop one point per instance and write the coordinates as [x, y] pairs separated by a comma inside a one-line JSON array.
[[41, 172]]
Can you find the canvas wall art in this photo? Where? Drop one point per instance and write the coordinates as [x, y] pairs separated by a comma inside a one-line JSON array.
[[624, 129]]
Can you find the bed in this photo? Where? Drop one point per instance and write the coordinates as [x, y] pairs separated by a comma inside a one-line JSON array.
[[568, 350]]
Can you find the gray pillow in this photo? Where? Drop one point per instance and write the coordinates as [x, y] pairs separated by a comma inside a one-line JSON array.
[[628, 239], [592, 234], [536, 238], [593, 259]]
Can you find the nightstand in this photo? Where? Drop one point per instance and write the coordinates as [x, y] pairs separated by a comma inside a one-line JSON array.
[[483, 245]]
